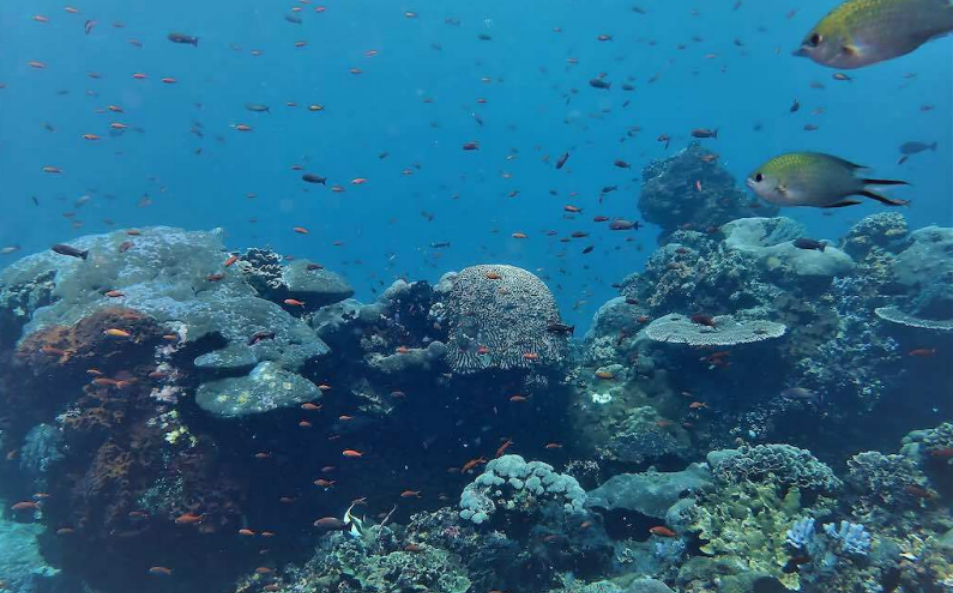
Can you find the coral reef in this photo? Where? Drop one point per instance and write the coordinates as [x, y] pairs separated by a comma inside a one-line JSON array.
[[723, 330], [727, 425], [511, 485], [692, 191], [500, 317], [781, 465]]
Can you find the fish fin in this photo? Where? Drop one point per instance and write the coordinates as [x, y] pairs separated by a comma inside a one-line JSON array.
[[843, 204], [884, 182], [851, 49], [883, 199]]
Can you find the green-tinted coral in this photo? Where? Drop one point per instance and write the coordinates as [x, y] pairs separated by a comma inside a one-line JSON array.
[[745, 525]]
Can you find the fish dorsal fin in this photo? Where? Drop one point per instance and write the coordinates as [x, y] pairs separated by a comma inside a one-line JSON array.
[[844, 162]]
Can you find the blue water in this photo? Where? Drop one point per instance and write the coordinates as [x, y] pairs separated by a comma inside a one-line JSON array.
[[537, 105]]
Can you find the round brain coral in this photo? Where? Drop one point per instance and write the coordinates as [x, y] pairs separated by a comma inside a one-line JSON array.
[[502, 317]]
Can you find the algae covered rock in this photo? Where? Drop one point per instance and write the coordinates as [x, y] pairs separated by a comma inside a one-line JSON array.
[[267, 387], [693, 190], [650, 493], [314, 285], [771, 242], [179, 279]]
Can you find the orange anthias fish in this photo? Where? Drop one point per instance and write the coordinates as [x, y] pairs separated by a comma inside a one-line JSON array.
[[662, 531]]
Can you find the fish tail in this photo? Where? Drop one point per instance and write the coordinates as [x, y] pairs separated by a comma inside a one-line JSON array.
[[884, 182], [195, 41], [84, 254], [933, 146], [715, 134], [883, 199]]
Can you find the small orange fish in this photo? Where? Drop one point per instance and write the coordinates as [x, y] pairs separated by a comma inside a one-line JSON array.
[[322, 483], [160, 571], [697, 405], [358, 181], [944, 453], [310, 407], [472, 464], [65, 531], [410, 494], [27, 505], [493, 276], [301, 230], [352, 454], [519, 399], [231, 261], [304, 424], [324, 387], [572, 209], [506, 445], [90, 137], [553, 446], [117, 333], [37, 65], [246, 532], [662, 531], [519, 235], [243, 128], [922, 353], [139, 76], [531, 356], [189, 519], [169, 80], [294, 303]]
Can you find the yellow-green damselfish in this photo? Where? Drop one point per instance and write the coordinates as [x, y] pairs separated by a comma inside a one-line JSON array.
[[859, 33], [815, 179]]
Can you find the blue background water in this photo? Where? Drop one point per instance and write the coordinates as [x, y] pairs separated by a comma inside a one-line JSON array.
[[380, 224]]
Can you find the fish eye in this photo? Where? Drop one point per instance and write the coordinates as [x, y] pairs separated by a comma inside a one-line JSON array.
[[759, 177], [815, 39]]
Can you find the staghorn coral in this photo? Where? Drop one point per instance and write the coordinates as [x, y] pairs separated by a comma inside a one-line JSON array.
[[781, 465], [727, 331], [498, 317], [512, 485]]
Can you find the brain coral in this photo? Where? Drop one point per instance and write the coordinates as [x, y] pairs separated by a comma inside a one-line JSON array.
[[499, 317]]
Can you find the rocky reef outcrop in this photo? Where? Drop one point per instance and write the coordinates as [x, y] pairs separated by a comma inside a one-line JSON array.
[[692, 191]]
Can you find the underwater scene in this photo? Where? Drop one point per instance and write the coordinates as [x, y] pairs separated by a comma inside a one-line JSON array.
[[449, 296]]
